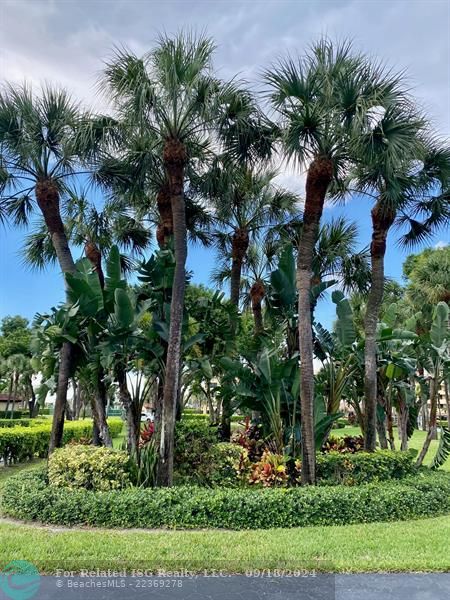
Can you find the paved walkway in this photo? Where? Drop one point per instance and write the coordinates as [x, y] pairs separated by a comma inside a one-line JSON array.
[[240, 587]]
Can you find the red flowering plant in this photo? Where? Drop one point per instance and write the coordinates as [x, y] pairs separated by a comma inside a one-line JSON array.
[[147, 434]]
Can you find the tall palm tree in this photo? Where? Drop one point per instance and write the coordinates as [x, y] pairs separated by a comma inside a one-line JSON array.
[[172, 92], [245, 204], [407, 175], [324, 101], [44, 140]]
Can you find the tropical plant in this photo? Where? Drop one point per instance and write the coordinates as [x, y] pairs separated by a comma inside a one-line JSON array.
[[324, 101], [173, 93], [44, 140]]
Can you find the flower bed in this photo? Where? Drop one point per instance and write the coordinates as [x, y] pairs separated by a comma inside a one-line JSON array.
[[21, 443], [28, 496]]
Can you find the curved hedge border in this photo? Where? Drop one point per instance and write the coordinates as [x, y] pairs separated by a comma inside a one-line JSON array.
[[27, 496], [20, 443]]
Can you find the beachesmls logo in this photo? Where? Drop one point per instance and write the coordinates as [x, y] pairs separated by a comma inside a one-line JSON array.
[[19, 580]]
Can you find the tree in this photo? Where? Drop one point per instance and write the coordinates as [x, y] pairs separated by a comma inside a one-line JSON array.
[[43, 140], [172, 91], [324, 101], [407, 175], [246, 204]]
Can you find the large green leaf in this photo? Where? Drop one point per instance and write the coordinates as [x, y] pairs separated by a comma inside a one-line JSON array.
[[443, 451], [439, 326], [123, 308], [345, 330], [283, 279], [264, 365]]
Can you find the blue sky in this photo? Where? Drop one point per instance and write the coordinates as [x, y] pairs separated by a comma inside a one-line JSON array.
[[25, 292], [65, 42]]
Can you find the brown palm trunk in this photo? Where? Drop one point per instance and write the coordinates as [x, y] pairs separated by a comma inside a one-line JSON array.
[[164, 231], [95, 257], [318, 179], [10, 391], [381, 424], [403, 418], [381, 223], [432, 426], [47, 197], [239, 247], [447, 401], [257, 293], [133, 420], [174, 162]]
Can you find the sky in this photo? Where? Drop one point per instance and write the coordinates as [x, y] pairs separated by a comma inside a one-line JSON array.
[[66, 42]]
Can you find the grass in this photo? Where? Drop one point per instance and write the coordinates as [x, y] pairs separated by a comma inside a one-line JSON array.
[[420, 545], [415, 442], [407, 546]]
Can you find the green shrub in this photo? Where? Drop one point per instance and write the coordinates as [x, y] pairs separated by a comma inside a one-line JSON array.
[[190, 414], [20, 443], [28, 496], [194, 439], [364, 467], [223, 459], [90, 468]]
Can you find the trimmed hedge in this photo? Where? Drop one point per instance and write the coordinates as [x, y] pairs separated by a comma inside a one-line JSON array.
[[20, 443], [27, 496], [195, 416], [89, 467], [364, 467]]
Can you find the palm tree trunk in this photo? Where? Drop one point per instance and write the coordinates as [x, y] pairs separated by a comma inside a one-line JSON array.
[[16, 383], [257, 293], [164, 230], [133, 424], [447, 401], [381, 223], [432, 428], [317, 182], [95, 257], [239, 247], [403, 418], [47, 197], [10, 391], [381, 424], [174, 162], [100, 401]]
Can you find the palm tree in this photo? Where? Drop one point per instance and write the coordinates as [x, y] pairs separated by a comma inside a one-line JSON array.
[[43, 141], [324, 101], [245, 204], [172, 92], [408, 177]]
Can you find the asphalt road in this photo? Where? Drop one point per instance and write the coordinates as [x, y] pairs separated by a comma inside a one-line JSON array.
[[240, 587]]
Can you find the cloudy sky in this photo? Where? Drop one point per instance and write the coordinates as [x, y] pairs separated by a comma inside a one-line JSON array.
[[66, 41]]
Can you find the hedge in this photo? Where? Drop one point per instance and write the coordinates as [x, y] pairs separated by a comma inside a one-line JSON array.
[[20, 443], [27, 496], [364, 467]]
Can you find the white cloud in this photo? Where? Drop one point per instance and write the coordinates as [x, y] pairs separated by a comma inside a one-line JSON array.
[[441, 244]]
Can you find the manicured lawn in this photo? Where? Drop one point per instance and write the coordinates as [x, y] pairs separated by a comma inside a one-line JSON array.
[[415, 442], [420, 545], [407, 546]]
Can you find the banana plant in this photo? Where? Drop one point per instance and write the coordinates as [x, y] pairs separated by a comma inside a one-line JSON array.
[[434, 356]]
